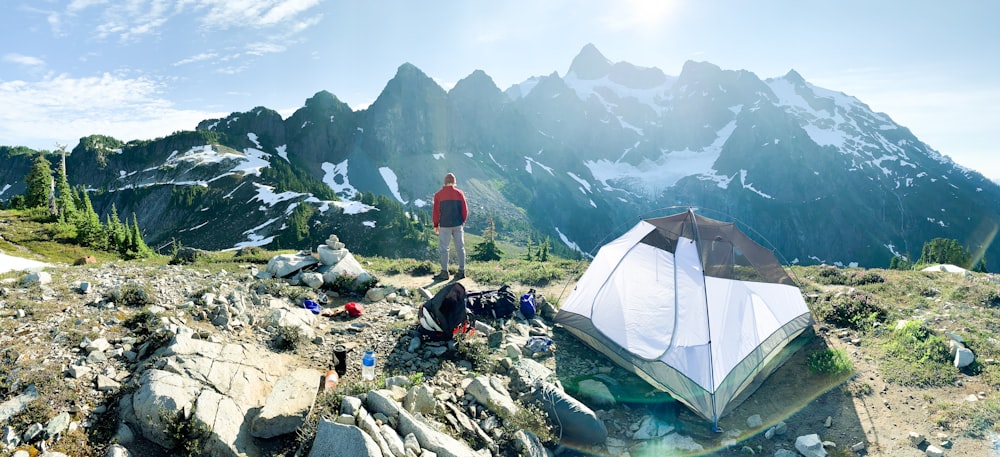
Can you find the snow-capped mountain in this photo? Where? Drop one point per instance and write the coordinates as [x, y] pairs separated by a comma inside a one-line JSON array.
[[815, 172]]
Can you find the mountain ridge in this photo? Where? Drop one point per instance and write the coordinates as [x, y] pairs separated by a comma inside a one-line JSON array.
[[574, 157]]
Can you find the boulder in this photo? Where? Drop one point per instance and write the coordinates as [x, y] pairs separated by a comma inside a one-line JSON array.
[[810, 446], [288, 404], [497, 401], [220, 383], [333, 439], [331, 256], [427, 435], [347, 266], [964, 357], [596, 393], [285, 265]]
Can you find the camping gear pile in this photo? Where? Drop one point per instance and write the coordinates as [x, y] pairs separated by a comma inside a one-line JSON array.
[[692, 305]]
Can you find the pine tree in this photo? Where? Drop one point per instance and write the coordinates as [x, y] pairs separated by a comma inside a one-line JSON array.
[[137, 247], [64, 196], [38, 183], [114, 231], [487, 250], [88, 224], [530, 255], [543, 251]]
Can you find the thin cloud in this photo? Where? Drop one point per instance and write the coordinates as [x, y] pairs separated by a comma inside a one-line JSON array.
[[196, 58], [21, 59], [224, 14], [125, 108]]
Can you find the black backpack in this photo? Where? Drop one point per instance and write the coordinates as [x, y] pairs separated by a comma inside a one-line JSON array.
[[444, 315], [497, 304]]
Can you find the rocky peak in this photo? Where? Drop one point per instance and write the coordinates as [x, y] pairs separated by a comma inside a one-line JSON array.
[[589, 64]]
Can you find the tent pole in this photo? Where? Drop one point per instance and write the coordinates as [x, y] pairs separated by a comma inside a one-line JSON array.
[[708, 321]]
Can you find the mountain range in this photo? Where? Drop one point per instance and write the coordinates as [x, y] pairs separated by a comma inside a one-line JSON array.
[[575, 158]]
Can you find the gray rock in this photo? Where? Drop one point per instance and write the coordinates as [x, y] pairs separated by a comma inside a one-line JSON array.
[[486, 394], [299, 318], [221, 383], [100, 345], [529, 444], [524, 373], [420, 399], [8, 437], [393, 440], [410, 445], [33, 432], [335, 440], [934, 451], [810, 446], [376, 294], [368, 425], [427, 435], [964, 357], [347, 266], [650, 427], [57, 425], [313, 280], [755, 421], [916, 439], [288, 404], [350, 405], [331, 256], [17, 404], [37, 278], [401, 381], [596, 393], [117, 450], [282, 266], [106, 384]]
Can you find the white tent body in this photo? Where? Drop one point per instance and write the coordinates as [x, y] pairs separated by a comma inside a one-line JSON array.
[[683, 313]]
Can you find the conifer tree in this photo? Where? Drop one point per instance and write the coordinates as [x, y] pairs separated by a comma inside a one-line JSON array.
[[114, 231], [64, 196], [89, 231], [487, 250], [137, 247], [38, 183], [530, 255], [543, 251]]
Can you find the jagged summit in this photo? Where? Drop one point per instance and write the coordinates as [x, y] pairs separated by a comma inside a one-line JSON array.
[[589, 64]]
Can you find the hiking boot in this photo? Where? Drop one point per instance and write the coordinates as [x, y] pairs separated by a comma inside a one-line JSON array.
[[459, 275], [442, 276]]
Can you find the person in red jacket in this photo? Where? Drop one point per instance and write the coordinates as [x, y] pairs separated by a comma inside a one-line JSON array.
[[449, 214]]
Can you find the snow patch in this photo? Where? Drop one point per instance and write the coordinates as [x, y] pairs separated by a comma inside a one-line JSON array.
[[335, 176], [653, 176], [389, 177]]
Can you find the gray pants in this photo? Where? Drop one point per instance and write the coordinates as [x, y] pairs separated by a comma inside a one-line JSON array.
[[445, 235]]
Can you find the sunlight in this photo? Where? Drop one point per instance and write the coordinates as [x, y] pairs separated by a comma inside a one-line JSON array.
[[641, 14]]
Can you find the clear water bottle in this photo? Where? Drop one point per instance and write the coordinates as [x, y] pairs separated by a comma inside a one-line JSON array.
[[368, 366]]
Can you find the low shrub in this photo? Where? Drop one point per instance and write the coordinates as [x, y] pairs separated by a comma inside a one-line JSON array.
[[865, 278], [286, 338], [857, 310], [829, 362], [831, 276], [131, 294], [915, 355]]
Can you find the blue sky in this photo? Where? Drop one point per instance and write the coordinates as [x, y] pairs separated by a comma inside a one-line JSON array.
[[141, 69]]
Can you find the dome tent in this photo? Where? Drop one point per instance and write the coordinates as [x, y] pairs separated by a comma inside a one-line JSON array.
[[691, 305]]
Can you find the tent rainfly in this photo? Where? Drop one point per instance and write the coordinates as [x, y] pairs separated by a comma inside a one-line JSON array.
[[691, 305]]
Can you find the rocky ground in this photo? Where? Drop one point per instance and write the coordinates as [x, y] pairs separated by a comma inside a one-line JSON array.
[[47, 331]]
